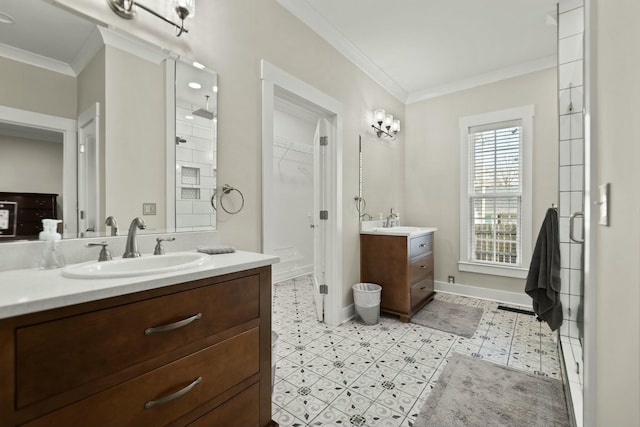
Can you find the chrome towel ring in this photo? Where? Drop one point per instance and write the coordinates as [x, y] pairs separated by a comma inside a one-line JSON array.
[[226, 190]]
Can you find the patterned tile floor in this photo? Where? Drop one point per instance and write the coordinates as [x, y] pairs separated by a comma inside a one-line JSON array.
[[380, 375]]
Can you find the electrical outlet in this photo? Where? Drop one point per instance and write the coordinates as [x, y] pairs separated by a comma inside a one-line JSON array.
[[451, 279]]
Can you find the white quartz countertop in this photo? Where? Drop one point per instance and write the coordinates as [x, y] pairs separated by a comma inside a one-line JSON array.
[[399, 231], [32, 290]]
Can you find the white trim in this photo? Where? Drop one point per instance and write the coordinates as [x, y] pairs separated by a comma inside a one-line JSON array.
[[133, 45], [91, 46], [308, 15], [590, 401], [484, 79], [526, 114], [70, 161], [496, 270], [506, 297], [274, 80], [170, 129], [31, 58], [281, 276], [348, 313]]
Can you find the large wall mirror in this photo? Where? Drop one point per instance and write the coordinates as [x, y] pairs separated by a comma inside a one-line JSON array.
[[96, 123]]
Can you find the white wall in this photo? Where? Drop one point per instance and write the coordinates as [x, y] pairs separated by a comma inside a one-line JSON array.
[[232, 37], [432, 173], [615, 290], [30, 166]]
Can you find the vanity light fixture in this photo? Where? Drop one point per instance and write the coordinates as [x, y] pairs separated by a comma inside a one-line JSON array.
[[183, 8], [386, 125]]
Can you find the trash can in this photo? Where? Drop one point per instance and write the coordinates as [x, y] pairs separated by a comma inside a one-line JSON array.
[[367, 299], [274, 340]]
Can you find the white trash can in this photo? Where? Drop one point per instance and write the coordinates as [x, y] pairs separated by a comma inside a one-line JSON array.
[[366, 297]]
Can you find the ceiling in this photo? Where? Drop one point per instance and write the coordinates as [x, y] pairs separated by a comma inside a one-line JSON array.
[[418, 49]]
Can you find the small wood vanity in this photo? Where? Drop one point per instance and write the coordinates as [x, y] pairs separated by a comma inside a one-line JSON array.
[[193, 353], [402, 263]]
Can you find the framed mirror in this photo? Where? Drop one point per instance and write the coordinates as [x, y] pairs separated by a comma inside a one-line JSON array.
[[89, 122]]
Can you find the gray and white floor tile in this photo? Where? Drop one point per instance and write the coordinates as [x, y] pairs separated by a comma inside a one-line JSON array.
[[381, 375]]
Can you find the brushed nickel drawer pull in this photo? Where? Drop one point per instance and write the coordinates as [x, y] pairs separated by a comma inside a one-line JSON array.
[[423, 266], [424, 288], [172, 396], [174, 325], [422, 245]]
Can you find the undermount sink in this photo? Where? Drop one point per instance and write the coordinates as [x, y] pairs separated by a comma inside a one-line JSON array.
[[130, 267]]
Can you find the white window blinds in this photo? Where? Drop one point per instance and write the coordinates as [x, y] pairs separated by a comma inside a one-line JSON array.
[[495, 193]]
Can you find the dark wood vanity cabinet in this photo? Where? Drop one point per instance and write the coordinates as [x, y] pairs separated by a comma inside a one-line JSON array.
[[32, 208], [197, 353], [403, 266]]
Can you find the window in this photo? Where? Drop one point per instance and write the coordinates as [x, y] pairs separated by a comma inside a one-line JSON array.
[[495, 197]]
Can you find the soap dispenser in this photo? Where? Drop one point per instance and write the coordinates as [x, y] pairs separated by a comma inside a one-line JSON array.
[[52, 256]]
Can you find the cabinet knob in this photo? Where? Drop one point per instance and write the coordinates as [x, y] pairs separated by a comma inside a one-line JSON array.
[[422, 245], [423, 266]]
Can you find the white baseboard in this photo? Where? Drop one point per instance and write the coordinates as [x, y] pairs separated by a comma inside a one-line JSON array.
[[281, 276], [515, 298], [348, 313]]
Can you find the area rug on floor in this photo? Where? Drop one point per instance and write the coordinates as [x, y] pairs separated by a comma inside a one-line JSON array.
[[445, 316], [473, 392]]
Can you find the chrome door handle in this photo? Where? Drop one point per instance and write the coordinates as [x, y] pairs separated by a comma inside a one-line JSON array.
[[172, 396], [571, 226], [174, 325]]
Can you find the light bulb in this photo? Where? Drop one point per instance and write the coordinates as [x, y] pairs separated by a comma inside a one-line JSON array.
[[379, 116], [388, 120]]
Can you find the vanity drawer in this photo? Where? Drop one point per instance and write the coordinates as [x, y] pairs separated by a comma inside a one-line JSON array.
[[234, 411], [57, 356], [421, 245], [419, 268], [421, 291], [167, 393]]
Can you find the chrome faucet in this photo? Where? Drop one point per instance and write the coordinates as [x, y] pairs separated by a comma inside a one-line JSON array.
[[111, 222], [131, 250], [392, 219]]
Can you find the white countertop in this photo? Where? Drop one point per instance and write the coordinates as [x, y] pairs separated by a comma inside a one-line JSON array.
[[399, 231], [32, 290]]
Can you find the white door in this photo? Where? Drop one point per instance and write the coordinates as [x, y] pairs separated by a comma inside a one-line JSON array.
[[88, 167], [321, 215]]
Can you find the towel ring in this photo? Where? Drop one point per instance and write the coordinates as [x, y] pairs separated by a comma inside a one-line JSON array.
[[226, 189]]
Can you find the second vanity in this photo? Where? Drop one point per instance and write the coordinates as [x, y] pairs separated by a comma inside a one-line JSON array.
[[400, 259], [191, 347]]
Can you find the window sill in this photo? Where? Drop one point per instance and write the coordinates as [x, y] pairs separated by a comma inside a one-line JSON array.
[[471, 267]]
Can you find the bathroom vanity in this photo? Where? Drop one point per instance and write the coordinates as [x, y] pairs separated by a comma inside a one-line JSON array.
[[187, 348], [400, 259]]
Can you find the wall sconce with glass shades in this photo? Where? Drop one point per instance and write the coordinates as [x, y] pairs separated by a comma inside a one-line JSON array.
[[386, 125], [183, 8]]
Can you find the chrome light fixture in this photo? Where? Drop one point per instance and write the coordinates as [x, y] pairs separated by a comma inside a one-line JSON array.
[[386, 125], [183, 8]]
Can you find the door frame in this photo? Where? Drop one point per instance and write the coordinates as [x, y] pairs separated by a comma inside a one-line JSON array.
[[275, 80], [67, 127]]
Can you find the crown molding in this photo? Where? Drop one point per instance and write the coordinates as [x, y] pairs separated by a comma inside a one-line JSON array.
[[35, 60], [309, 16], [484, 79]]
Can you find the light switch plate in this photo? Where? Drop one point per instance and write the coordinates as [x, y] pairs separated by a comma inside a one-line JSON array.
[[148, 209], [603, 202]]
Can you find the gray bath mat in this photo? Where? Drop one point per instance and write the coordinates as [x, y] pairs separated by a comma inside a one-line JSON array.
[[473, 392], [445, 316]]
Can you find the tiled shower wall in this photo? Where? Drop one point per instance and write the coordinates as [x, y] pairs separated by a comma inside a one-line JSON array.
[[571, 185], [196, 172]]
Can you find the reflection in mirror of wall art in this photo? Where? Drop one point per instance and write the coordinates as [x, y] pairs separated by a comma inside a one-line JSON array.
[[93, 138]]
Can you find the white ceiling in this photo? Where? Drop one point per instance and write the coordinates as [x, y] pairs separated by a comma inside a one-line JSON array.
[[418, 49]]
